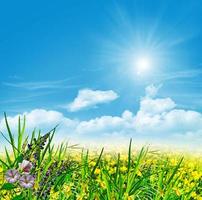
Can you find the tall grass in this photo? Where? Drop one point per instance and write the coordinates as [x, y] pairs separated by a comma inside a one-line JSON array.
[[60, 173]]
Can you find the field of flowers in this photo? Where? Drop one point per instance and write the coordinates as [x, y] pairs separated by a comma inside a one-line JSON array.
[[36, 169]]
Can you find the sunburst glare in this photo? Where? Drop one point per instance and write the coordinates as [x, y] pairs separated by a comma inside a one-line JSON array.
[[141, 52], [143, 65]]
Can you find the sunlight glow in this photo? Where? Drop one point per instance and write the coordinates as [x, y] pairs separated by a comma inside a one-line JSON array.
[[143, 65]]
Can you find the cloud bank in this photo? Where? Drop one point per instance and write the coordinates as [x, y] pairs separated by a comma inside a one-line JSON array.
[[158, 120]]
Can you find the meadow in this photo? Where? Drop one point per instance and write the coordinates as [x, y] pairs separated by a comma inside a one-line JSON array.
[[34, 168]]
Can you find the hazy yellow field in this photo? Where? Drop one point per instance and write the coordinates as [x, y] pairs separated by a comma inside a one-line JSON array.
[[110, 179]]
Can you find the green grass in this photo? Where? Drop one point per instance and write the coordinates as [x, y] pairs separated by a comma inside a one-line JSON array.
[[68, 172]]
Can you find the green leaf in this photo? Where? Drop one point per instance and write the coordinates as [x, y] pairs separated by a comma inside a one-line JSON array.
[[129, 155], [11, 137], [21, 131], [18, 160], [50, 138], [97, 163], [18, 197], [3, 163], [8, 157], [8, 186]]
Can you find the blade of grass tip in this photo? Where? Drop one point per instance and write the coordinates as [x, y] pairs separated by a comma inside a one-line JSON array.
[[49, 142], [33, 136], [10, 135], [97, 163], [142, 154], [8, 157], [57, 149], [19, 126], [175, 171], [129, 154], [39, 135], [24, 144], [4, 164], [60, 152], [82, 164], [129, 161], [131, 176], [50, 153], [83, 167], [21, 132], [117, 168], [53, 129], [8, 140], [86, 162], [51, 148], [64, 151]]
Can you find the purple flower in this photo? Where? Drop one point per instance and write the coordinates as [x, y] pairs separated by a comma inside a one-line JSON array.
[[25, 166], [26, 181], [12, 175]]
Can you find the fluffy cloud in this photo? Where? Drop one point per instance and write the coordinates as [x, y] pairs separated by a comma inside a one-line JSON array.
[[161, 117], [152, 90], [151, 105], [155, 106], [107, 125], [40, 118], [157, 120], [88, 98], [171, 123]]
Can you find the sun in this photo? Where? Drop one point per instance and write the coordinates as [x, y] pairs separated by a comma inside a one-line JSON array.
[[143, 65]]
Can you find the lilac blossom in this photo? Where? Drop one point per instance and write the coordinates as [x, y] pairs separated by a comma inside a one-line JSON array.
[[26, 181], [12, 175], [25, 166]]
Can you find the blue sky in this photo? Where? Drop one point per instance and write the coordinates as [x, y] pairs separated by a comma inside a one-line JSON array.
[[101, 55]]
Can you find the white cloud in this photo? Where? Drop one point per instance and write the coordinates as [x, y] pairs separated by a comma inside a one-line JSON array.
[[151, 105], [88, 98], [40, 119], [106, 125], [155, 106], [157, 120], [168, 124], [151, 90]]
